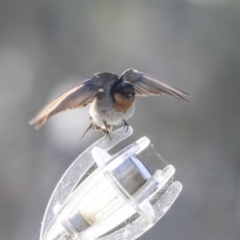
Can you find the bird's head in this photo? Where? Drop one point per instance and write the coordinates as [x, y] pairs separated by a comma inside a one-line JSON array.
[[123, 92]]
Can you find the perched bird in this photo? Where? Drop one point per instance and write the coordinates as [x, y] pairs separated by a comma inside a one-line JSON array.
[[112, 98]]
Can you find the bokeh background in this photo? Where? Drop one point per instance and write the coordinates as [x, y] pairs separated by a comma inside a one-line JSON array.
[[49, 46]]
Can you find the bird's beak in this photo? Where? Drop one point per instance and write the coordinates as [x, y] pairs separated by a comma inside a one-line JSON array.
[[129, 96]]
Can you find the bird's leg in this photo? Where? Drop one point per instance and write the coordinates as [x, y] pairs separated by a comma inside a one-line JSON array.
[[107, 130], [125, 125]]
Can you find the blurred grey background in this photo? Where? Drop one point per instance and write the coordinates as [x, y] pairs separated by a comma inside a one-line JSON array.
[[49, 46]]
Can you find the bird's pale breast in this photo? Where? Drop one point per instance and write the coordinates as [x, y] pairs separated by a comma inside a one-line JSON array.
[[103, 110]]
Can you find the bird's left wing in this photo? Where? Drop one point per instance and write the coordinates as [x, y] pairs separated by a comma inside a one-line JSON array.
[[146, 85], [76, 97]]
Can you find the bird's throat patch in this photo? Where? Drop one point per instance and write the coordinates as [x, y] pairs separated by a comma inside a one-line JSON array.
[[122, 104]]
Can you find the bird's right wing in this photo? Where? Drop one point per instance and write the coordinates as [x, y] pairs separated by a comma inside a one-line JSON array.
[[76, 97]]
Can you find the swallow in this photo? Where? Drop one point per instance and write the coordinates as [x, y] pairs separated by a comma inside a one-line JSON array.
[[112, 98]]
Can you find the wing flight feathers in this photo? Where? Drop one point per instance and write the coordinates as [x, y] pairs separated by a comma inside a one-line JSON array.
[[146, 85], [76, 97]]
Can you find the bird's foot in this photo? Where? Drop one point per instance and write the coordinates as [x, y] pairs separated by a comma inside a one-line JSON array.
[[107, 130], [125, 125], [107, 133]]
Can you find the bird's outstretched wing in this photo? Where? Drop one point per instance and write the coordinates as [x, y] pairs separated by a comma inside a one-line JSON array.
[[146, 85], [76, 97]]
